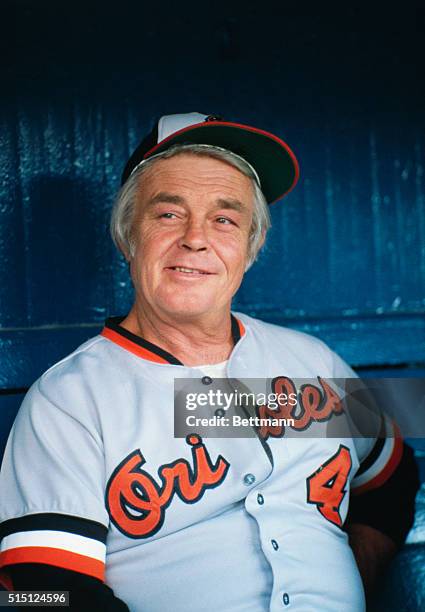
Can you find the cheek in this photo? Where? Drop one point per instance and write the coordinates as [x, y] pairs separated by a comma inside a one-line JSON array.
[[234, 254], [152, 243]]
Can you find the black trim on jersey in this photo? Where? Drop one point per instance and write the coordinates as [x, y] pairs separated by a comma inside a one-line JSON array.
[[114, 324], [374, 453], [236, 333], [55, 522]]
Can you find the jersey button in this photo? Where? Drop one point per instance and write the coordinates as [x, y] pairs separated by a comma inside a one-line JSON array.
[[275, 544], [285, 599], [260, 499], [219, 412], [206, 380], [249, 479]]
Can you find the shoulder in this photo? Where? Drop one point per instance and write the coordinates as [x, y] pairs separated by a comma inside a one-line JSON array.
[[271, 330], [84, 359], [297, 345], [65, 386]]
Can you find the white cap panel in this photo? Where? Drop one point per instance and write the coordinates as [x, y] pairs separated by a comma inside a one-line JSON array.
[[168, 124]]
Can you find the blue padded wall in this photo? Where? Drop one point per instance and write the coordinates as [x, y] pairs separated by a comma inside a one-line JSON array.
[[82, 82]]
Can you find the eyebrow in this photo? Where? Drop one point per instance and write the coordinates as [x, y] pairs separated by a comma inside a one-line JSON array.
[[163, 196], [170, 198], [230, 203]]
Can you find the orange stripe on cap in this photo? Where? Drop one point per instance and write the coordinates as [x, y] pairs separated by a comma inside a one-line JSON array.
[[54, 556], [387, 471], [134, 348]]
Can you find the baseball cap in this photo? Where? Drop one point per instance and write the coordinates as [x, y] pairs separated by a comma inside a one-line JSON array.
[[273, 161]]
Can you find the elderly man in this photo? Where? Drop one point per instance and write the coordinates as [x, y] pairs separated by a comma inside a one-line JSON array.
[[97, 495]]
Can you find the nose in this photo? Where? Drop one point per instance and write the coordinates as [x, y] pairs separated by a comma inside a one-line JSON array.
[[194, 238]]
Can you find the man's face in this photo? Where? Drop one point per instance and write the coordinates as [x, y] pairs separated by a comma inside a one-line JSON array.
[[190, 233]]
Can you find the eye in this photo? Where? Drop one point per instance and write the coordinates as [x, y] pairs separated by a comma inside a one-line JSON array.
[[225, 221], [167, 215]]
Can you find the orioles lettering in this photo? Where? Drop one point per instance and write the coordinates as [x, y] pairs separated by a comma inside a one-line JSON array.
[[136, 503]]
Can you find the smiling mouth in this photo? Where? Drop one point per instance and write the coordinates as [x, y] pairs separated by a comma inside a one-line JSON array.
[[188, 270]]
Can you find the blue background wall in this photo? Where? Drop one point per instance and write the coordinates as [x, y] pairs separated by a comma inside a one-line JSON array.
[[345, 259]]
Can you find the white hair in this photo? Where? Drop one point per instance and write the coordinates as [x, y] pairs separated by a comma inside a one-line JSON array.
[[125, 203]]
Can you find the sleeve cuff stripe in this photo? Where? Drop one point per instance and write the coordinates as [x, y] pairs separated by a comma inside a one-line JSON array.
[[378, 466], [388, 436], [380, 478], [373, 455], [50, 521], [55, 539], [54, 556]]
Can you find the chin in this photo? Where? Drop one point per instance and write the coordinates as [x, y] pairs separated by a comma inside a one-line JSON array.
[[187, 308]]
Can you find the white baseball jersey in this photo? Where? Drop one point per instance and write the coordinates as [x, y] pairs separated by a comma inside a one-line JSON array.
[[94, 480]]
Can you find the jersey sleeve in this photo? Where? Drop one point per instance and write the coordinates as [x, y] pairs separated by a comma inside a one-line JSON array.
[[51, 483], [384, 488], [376, 436]]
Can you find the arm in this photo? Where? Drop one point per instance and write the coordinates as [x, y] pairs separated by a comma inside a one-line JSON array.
[[379, 519], [53, 472], [373, 550], [85, 592]]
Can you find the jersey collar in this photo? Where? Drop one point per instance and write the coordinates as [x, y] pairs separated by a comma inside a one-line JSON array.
[[147, 350]]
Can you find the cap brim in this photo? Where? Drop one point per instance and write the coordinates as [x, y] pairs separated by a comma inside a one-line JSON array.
[[273, 160]]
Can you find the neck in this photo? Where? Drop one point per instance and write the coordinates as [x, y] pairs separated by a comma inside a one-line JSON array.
[[200, 341]]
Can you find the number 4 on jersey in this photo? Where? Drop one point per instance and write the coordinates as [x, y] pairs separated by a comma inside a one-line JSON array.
[[326, 486]]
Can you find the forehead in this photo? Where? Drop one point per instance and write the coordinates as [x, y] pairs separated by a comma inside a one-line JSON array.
[[203, 174]]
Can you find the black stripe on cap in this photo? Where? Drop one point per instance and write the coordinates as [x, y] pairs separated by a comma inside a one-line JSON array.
[[146, 145]]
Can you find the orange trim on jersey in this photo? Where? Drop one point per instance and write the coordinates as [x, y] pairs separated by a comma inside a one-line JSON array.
[[140, 347], [54, 556], [131, 346], [387, 471], [241, 327]]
